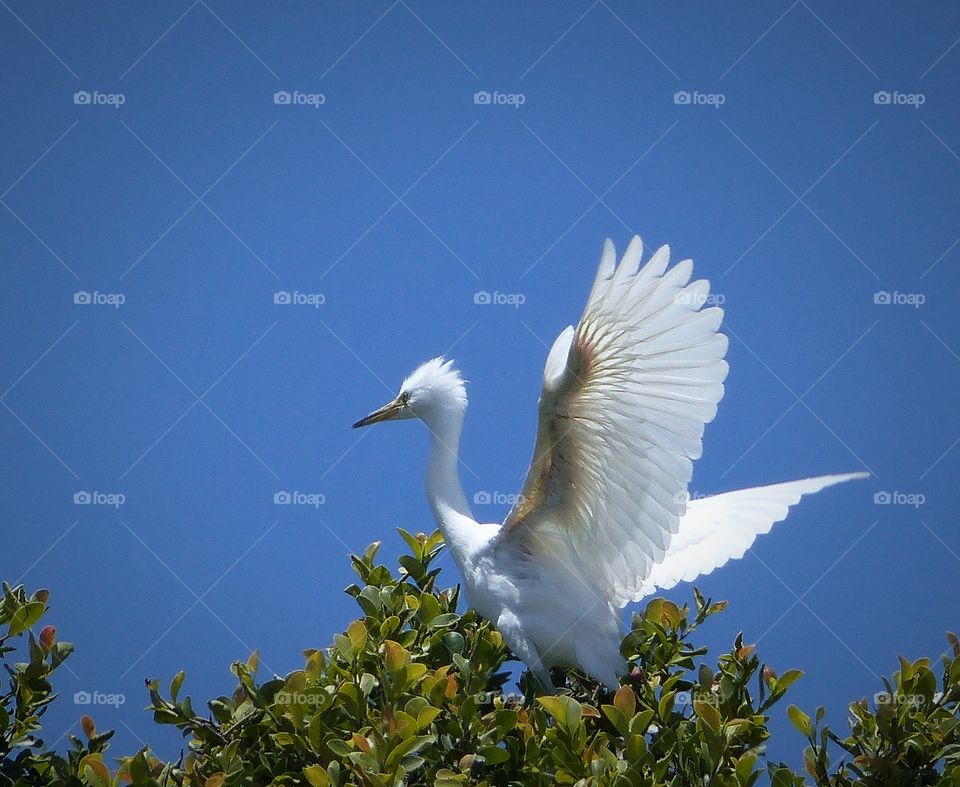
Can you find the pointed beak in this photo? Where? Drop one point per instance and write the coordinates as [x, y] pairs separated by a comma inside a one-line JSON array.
[[389, 411]]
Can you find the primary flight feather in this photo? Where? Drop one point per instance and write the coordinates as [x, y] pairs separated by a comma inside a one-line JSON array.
[[603, 517]]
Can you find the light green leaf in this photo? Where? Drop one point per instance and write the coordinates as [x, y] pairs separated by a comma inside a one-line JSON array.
[[709, 713], [800, 719], [316, 775], [25, 617], [565, 710]]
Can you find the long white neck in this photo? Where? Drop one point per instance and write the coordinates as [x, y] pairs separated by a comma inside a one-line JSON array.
[[444, 492]]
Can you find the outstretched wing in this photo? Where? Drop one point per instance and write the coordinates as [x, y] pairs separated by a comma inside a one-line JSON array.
[[723, 527], [624, 401]]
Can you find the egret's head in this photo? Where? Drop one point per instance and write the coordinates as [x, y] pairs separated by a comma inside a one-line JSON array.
[[434, 389]]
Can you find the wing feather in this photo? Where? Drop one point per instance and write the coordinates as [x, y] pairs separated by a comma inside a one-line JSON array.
[[720, 528], [621, 415]]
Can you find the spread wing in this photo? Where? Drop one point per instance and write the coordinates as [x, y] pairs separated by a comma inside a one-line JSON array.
[[624, 401], [723, 527]]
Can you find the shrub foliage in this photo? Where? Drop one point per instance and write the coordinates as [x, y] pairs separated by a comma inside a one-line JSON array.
[[417, 692]]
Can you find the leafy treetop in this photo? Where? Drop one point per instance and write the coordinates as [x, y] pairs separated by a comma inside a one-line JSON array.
[[415, 692]]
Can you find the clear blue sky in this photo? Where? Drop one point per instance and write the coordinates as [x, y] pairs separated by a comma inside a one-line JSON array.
[[383, 187]]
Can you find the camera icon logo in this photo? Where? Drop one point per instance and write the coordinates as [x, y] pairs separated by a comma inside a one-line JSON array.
[[482, 97], [882, 97], [82, 297], [681, 97], [81, 698], [81, 97], [82, 498], [882, 499], [282, 498], [482, 298], [481, 498], [281, 297], [282, 97], [882, 297]]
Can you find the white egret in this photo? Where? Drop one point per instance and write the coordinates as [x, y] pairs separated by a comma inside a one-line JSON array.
[[603, 517]]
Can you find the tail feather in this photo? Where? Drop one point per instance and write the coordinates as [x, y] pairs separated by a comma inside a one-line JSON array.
[[716, 529]]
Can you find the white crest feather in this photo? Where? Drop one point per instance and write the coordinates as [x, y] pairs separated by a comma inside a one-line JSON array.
[[438, 377]]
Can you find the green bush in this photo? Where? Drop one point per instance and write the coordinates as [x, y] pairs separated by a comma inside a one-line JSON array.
[[415, 692]]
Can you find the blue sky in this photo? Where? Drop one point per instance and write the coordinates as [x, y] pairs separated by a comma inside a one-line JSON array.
[[805, 155]]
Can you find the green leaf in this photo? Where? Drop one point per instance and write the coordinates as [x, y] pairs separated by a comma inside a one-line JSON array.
[[370, 601], [744, 767], [709, 713], [60, 652], [253, 663], [429, 608], [339, 747], [636, 747], [788, 678], [357, 634], [654, 611], [416, 547], [505, 720], [800, 720], [426, 716], [705, 677], [175, 684], [672, 614], [371, 552], [413, 672], [316, 775], [565, 710], [665, 706], [409, 746], [434, 541], [617, 719], [344, 646], [283, 739], [782, 777], [443, 620], [494, 755], [454, 641], [390, 626], [367, 682], [25, 617], [641, 722], [394, 655]]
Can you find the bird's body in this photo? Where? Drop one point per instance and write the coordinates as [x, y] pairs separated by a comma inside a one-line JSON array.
[[549, 614], [603, 518]]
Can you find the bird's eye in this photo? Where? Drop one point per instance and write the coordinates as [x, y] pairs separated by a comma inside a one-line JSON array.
[[404, 398]]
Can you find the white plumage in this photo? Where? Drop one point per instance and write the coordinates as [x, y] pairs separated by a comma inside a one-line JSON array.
[[603, 517]]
